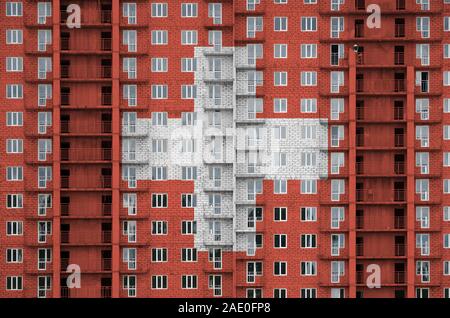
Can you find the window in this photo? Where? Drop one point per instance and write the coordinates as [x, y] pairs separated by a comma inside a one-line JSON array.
[[308, 293], [130, 94], [280, 24], [14, 119], [189, 255], [44, 258], [159, 37], [280, 51], [337, 216], [308, 186], [308, 214], [44, 67], [159, 145], [189, 37], [44, 203], [188, 200], [423, 270], [14, 283], [446, 210], [280, 105], [159, 91], [159, 282], [129, 230], [337, 134], [159, 10], [14, 255], [308, 105], [337, 189], [423, 26], [337, 80], [14, 64], [337, 26], [13, 9], [188, 91], [159, 228], [14, 146], [14, 228], [280, 78], [337, 162], [280, 241], [188, 173], [308, 79], [129, 11], [14, 91], [14, 201], [14, 37], [129, 284], [308, 159], [159, 200], [189, 10], [188, 64], [44, 11], [337, 243], [280, 214], [14, 173], [44, 39], [188, 227], [215, 12], [308, 24], [189, 281], [280, 268], [159, 64], [308, 268], [254, 24], [130, 203], [279, 132], [337, 271], [159, 255], [308, 241], [308, 51]]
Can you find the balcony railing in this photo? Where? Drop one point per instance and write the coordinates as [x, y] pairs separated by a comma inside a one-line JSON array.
[[396, 195], [93, 292], [381, 251], [397, 169], [103, 16], [105, 99], [399, 277], [68, 72], [85, 127], [86, 154], [367, 59], [371, 223], [103, 209], [399, 31], [85, 237], [381, 86], [104, 45], [102, 182]]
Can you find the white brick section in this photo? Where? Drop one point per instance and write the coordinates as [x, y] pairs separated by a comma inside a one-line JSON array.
[[231, 159]]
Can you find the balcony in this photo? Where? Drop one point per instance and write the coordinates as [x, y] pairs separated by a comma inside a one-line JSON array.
[[86, 154], [372, 224], [90, 265], [395, 169], [101, 46], [101, 17], [84, 237], [370, 60], [398, 279], [93, 182], [69, 73], [104, 100], [381, 251], [89, 292], [85, 127], [386, 196], [380, 87], [82, 211]]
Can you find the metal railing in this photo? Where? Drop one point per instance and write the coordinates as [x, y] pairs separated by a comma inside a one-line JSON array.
[[86, 154], [86, 237]]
